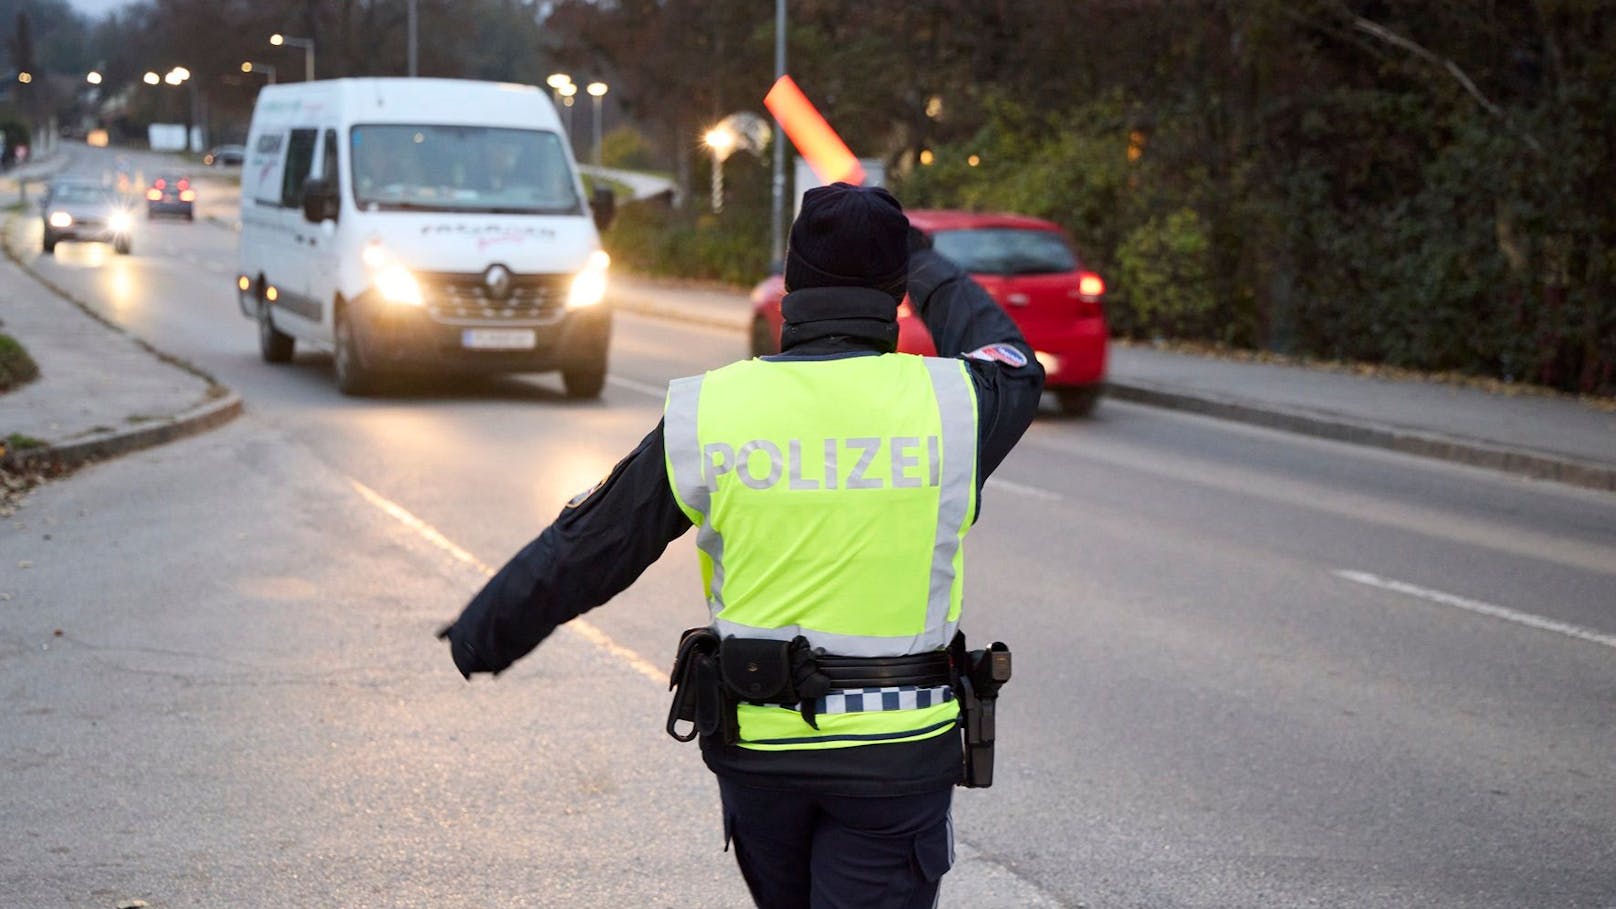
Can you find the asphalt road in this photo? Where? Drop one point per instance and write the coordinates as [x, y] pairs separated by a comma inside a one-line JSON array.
[[1251, 669]]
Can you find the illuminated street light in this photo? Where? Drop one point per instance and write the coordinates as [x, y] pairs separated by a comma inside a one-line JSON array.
[[253, 67], [94, 78], [25, 77], [151, 78], [567, 91], [308, 51], [721, 141], [597, 90], [555, 81]]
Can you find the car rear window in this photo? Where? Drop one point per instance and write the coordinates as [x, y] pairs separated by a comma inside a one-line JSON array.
[[1006, 251]]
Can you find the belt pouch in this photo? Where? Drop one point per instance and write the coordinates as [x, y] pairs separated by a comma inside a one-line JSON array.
[[758, 670]]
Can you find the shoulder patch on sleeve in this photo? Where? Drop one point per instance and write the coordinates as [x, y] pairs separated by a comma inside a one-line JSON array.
[[999, 353], [581, 497]]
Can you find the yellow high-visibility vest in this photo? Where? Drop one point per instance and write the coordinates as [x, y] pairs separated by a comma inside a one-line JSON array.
[[831, 499]]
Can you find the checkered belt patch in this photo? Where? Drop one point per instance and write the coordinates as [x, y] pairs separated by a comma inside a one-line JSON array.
[[871, 700]]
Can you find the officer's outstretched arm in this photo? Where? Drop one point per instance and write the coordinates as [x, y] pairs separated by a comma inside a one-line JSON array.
[[965, 322], [599, 544]]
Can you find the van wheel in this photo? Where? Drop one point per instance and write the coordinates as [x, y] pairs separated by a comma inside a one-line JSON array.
[[584, 380], [50, 243], [763, 340], [353, 377], [274, 345], [121, 246], [1078, 402]]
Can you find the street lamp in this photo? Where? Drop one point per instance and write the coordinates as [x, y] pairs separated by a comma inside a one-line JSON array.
[[721, 141], [25, 77], [597, 90], [555, 81], [179, 75], [308, 51], [92, 77], [567, 91], [252, 67]]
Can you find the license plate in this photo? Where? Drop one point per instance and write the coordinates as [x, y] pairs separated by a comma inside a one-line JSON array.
[[499, 338]]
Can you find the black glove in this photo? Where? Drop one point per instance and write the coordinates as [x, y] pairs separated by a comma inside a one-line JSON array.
[[465, 659]]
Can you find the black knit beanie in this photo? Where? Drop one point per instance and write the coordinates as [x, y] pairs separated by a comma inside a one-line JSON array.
[[849, 236]]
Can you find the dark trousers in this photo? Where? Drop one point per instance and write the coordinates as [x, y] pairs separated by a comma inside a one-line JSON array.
[[798, 850]]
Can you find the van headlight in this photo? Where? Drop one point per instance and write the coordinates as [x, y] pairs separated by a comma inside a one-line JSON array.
[[589, 285], [397, 285], [118, 221], [61, 219]]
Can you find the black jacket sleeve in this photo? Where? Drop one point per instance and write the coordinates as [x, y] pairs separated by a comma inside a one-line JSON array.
[[599, 544], [965, 322]]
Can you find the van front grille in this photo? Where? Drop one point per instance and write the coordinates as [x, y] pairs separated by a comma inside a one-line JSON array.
[[452, 297]]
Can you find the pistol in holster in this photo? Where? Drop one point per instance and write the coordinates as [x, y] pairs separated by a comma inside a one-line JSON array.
[[981, 673]]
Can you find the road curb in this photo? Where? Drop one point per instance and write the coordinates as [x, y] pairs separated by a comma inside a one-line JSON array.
[[674, 313], [221, 405], [1537, 465], [101, 446]]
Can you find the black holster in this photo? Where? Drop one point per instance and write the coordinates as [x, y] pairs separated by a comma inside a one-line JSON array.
[[698, 690], [980, 675]]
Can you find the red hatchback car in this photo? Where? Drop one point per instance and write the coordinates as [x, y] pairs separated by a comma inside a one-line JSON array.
[[1030, 269]]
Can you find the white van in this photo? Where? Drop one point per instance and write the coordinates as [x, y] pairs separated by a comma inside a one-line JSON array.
[[422, 225]]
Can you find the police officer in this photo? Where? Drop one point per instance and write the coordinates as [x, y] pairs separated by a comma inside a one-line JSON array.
[[831, 486]]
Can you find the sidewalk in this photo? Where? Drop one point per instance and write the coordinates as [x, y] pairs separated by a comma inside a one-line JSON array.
[[1548, 437], [100, 392]]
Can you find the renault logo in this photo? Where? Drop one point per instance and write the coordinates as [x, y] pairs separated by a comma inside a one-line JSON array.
[[498, 281]]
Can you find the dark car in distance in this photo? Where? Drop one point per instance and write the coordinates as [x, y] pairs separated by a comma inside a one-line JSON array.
[[171, 195], [225, 156]]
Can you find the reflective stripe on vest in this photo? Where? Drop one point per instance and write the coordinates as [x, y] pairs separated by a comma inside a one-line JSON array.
[[831, 498]]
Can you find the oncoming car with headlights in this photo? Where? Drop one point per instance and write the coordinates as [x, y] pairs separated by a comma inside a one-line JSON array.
[[87, 212], [422, 226]]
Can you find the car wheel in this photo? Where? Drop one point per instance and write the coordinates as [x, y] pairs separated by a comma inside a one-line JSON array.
[[121, 246], [1078, 402], [584, 380], [190, 216], [763, 340], [50, 244], [274, 345], [353, 377]]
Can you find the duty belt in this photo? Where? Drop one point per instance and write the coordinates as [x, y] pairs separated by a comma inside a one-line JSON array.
[[921, 669], [713, 675]]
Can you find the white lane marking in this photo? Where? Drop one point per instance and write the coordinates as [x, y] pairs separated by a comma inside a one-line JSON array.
[[580, 627], [1476, 606], [1031, 492], [660, 392]]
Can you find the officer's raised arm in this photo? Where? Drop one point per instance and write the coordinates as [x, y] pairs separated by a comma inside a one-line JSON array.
[[599, 544], [965, 322]]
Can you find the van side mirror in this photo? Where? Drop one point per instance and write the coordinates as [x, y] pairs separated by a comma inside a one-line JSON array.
[[604, 205], [320, 201]]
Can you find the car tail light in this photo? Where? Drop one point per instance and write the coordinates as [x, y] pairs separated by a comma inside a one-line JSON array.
[[1090, 286], [185, 184], [187, 195], [160, 183], [156, 195]]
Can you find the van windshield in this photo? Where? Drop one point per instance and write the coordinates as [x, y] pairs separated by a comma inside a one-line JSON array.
[[462, 169]]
